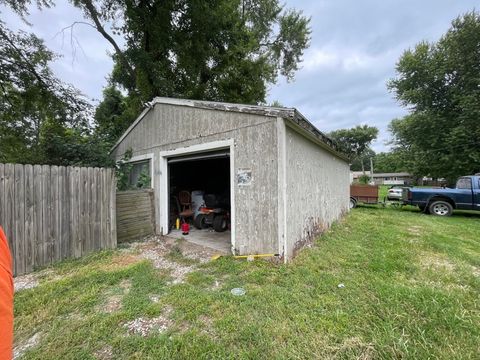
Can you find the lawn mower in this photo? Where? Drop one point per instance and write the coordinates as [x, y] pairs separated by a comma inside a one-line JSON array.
[[214, 213]]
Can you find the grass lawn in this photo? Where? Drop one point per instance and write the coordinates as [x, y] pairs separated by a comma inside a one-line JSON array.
[[412, 290]]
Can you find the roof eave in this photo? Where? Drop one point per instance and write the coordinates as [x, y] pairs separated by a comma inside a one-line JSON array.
[[293, 115], [309, 130]]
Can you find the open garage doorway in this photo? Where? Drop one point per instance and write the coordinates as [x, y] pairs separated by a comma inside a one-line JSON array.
[[199, 192]]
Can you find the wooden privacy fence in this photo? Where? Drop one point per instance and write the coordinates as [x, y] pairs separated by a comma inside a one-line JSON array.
[[50, 213], [135, 214]]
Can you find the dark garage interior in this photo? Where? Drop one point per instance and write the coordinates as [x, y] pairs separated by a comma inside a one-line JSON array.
[[206, 178]]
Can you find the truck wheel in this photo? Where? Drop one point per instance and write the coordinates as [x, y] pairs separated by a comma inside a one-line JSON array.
[[219, 223], [200, 221], [440, 208], [352, 204]]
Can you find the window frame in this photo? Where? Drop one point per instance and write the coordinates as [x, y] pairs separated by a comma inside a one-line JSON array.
[[464, 178], [142, 158]]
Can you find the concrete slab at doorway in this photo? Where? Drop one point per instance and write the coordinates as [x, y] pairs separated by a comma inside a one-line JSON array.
[[219, 241]]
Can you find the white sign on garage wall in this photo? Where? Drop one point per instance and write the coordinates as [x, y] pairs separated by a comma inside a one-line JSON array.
[[244, 177]]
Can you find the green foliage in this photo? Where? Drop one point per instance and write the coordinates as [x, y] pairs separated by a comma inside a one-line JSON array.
[[364, 179], [387, 162], [42, 120], [122, 171], [363, 160], [21, 6], [276, 103], [440, 83], [355, 142], [144, 179], [113, 115]]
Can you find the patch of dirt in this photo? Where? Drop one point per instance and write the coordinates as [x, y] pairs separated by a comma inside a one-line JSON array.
[[356, 348], [24, 282], [216, 285], [439, 285], [207, 325], [436, 262], [121, 261], [23, 347], [177, 271], [125, 285], [155, 249], [113, 302], [74, 316], [475, 271], [415, 230], [105, 353], [144, 326], [154, 298]]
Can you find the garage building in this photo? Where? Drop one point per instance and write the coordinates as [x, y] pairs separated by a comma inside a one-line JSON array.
[[282, 181]]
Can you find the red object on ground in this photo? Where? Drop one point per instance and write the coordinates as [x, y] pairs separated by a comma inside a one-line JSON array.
[[6, 299], [185, 228]]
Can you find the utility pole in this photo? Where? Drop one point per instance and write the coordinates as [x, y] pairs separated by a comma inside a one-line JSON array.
[[371, 169]]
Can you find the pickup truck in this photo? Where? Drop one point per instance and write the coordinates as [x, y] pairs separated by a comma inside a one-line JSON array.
[[442, 202]]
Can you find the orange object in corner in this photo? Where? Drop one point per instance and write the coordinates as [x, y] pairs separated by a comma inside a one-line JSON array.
[[6, 299]]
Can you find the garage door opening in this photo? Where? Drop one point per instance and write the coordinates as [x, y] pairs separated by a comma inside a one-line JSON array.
[[199, 193]]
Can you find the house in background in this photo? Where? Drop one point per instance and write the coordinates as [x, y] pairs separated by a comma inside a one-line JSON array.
[[400, 178], [284, 182]]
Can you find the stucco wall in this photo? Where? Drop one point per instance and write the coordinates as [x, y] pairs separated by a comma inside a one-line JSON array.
[[168, 127], [317, 189]]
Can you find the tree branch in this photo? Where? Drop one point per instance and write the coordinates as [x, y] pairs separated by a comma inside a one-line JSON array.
[[94, 15], [27, 62]]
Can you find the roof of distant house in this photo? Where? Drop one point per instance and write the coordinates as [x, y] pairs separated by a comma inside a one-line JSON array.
[[381, 175]]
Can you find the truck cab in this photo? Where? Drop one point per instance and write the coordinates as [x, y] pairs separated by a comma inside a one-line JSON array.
[[442, 202]]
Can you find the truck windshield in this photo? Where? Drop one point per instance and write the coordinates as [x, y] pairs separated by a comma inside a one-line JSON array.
[[464, 183]]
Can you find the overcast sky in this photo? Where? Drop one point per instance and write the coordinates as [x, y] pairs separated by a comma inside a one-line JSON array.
[[342, 83]]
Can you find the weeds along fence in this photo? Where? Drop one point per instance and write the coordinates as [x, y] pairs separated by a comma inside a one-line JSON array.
[[50, 213]]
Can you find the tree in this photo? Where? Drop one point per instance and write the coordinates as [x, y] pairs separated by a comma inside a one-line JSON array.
[[21, 6], [113, 115], [32, 99], [355, 141], [440, 84], [42, 120], [388, 162], [223, 50], [220, 50], [363, 160]]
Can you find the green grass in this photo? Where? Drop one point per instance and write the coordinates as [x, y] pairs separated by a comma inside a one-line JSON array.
[[411, 290]]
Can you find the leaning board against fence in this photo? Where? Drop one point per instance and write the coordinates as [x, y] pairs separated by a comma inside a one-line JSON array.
[[50, 213]]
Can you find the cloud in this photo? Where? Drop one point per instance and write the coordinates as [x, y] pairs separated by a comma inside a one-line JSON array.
[[355, 46]]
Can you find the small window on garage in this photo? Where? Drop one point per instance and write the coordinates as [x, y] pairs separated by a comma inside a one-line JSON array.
[[140, 177], [464, 183]]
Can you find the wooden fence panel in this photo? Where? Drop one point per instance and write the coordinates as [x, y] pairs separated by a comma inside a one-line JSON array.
[[29, 218], [50, 213], [19, 232], [9, 207], [135, 214], [38, 215]]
